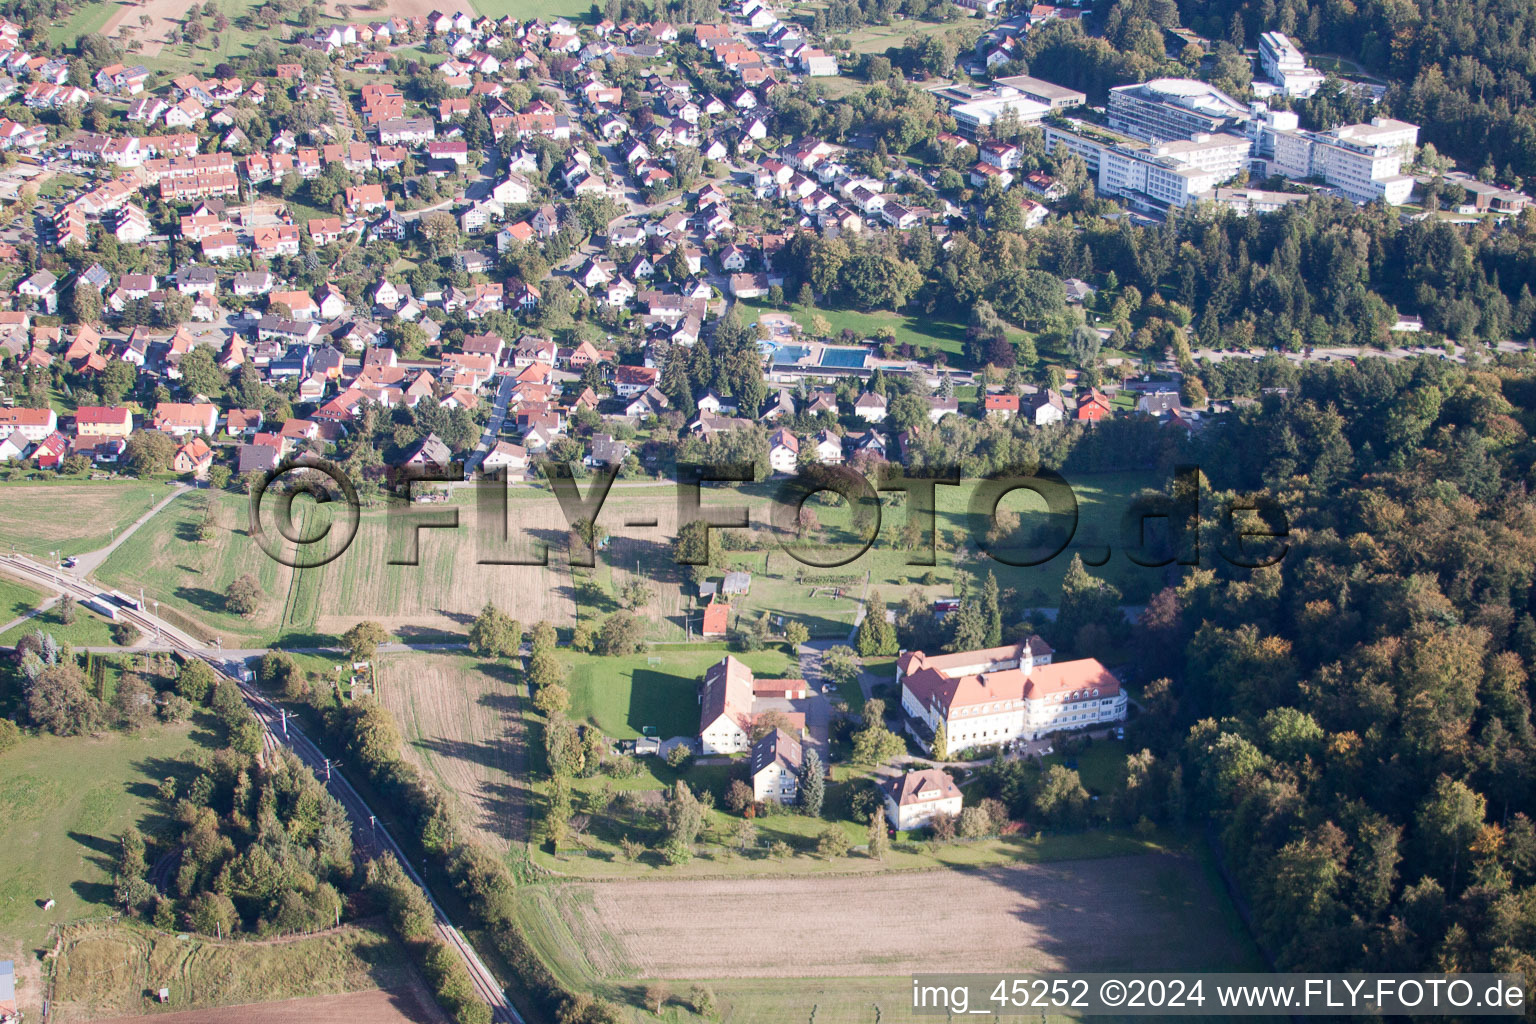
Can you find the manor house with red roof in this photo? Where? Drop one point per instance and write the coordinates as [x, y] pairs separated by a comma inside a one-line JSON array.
[[1002, 694]]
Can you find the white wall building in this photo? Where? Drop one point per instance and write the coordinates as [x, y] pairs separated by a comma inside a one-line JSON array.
[[1364, 161], [1172, 173], [1286, 66], [916, 798], [776, 764], [1002, 694]]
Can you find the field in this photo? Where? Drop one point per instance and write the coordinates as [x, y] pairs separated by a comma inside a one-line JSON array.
[[622, 696], [64, 801], [401, 1006], [110, 969], [1098, 915], [441, 595], [444, 592], [71, 518], [461, 722], [188, 577]]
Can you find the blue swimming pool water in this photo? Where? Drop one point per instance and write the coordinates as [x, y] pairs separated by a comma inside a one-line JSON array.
[[845, 357]]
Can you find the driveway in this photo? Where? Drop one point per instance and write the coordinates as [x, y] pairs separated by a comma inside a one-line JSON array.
[[817, 705]]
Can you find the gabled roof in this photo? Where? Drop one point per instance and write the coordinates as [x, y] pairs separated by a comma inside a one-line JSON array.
[[921, 787], [778, 747], [728, 692]]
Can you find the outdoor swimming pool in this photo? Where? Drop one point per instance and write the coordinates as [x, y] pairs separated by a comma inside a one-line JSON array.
[[850, 358]]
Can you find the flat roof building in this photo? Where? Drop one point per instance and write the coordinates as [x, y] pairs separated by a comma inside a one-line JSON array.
[[1286, 66], [1053, 96]]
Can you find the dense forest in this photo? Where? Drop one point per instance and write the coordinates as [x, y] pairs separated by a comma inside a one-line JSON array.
[[1355, 720]]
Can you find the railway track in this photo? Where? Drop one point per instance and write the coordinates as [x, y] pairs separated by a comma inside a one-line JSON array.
[[369, 833]]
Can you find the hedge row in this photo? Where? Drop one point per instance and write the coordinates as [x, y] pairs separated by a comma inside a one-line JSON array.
[[372, 739]]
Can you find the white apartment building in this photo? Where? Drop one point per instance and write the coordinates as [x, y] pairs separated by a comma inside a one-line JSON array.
[[1174, 108], [1364, 161], [1286, 66], [1003, 694]]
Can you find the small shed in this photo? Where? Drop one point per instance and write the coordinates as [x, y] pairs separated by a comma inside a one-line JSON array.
[[736, 583]]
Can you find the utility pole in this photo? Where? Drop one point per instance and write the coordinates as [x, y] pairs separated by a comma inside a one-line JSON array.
[[327, 769], [284, 713]]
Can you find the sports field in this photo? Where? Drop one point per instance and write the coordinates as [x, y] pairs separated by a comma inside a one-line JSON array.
[[461, 720], [861, 937], [71, 518]]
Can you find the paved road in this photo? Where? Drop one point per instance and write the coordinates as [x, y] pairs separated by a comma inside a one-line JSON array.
[[493, 425], [34, 613]]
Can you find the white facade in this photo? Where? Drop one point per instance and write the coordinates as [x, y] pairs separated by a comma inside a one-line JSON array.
[[1172, 173], [915, 799], [1004, 694], [1364, 161], [1286, 66]]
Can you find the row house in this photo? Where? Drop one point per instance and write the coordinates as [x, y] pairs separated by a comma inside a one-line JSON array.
[[200, 186]]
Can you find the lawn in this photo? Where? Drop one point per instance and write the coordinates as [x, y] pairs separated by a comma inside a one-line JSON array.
[[64, 801], [1101, 766], [924, 332], [786, 587], [621, 696], [17, 598], [70, 517], [82, 21], [88, 629], [880, 38]]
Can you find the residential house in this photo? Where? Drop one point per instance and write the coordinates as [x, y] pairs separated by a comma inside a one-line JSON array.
[[776, 766], [914, 799], [183, 419], [194, 457], [870, 407]]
